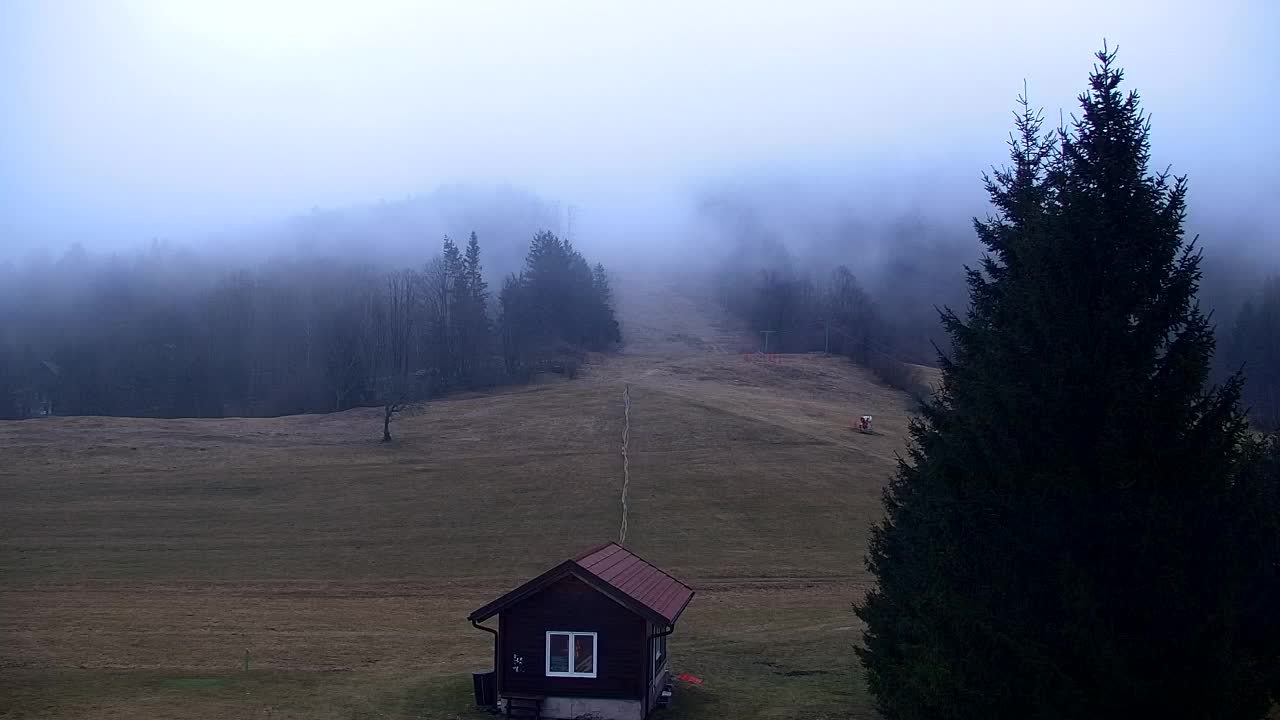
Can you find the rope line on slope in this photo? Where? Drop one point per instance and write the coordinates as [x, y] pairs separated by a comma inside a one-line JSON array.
[[626, 462]]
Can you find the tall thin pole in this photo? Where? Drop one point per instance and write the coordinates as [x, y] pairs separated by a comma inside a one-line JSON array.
[[766, 334]]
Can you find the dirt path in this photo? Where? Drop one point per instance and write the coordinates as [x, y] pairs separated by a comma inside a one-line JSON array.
[[680, 345], [661, 318]]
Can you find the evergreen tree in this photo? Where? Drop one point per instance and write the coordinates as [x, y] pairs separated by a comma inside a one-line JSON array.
[[578, 316], [514, 319], [456, 295], [474, 273], [473, 314], [452, 257], [547, 284], [605, 326], [1075, 533], [558, 306]]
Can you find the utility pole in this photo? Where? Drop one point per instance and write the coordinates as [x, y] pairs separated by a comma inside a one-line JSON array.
[[826, 337], [766, 334]]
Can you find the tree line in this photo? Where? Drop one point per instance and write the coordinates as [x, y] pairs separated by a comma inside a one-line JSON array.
[[167, 334], [834, 314], [839, 315]]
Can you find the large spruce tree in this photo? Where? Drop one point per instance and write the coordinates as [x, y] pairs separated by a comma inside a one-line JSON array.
[[1081, 528]]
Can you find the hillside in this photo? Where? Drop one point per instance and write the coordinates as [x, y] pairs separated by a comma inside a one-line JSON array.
[[140, 560]]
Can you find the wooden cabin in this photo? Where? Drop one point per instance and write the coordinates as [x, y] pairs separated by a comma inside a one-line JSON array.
[[586, 638]]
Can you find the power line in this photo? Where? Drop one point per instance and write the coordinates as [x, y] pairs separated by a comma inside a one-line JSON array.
[[874, 345]]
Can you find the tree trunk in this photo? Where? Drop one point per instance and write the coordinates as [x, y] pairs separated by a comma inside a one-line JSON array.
[[386, 424]]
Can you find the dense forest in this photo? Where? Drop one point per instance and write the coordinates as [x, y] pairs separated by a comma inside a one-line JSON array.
[[170, 332], [888, 320], [795, 313], [166, 333]]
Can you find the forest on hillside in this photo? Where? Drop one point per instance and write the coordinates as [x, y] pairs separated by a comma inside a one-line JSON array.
[[170, 332], [884, 313], [165, 333]]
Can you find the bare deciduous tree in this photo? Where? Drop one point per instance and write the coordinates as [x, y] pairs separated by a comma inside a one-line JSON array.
[[398, 382]]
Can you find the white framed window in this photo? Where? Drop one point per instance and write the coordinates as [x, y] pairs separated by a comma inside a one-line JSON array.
[[571, 654]]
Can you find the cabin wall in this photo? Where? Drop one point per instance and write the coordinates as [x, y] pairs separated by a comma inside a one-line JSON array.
[[656, 676], [622, 645], [659, 681]]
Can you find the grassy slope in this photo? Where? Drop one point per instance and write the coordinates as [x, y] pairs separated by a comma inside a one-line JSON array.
[[141, 559]]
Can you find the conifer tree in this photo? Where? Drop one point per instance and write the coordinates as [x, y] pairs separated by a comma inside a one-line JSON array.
[[1076, 531], [557, 304], [604, 326], [453, 278], [514, 321], [473, 313], [474, 272]]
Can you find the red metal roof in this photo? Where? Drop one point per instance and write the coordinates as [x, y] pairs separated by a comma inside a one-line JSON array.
[[636, 578], [616, 572]]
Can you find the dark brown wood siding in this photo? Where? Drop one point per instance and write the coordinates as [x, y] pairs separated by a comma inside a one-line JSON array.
[[656, 675], [572, 605]]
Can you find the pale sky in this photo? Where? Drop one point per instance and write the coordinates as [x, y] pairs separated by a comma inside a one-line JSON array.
[[128, 119]]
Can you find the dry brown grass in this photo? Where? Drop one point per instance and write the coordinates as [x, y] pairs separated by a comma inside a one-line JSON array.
[[140, 559]]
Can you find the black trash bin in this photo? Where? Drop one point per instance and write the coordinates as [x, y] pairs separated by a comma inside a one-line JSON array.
[[486, 687]]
